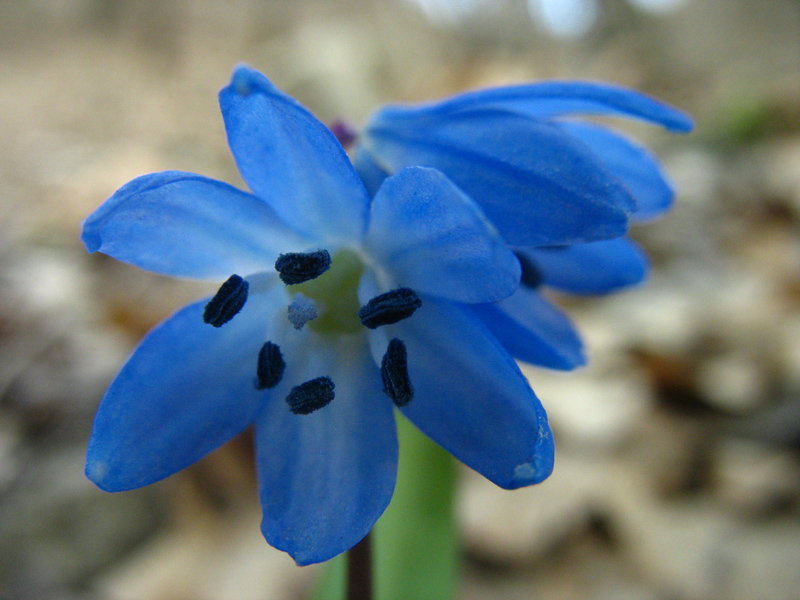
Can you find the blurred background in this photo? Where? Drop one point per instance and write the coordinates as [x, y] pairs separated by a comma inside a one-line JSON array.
[[677, 474]]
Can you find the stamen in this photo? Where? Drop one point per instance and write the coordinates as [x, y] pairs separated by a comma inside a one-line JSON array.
[[389, 308], [297, 267], [394, 372], [310, 396], [301, 311], [227, 302], [531, 275], [270, 366]]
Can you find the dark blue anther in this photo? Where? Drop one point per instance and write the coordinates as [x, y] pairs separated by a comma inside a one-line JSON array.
[[270, 366], [389, 308], [394, 372], [297, 267], [310, 396], [227, 302], [531, 275]]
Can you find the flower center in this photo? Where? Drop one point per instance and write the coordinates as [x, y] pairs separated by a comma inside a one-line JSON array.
[[325, 296], [335, 293]]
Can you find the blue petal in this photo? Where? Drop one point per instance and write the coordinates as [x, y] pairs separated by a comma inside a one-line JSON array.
[[532, 330], [368, 169], [291, 160], [471, 397], [187, 389], [638, 169], [189, 226], [435, 240], [549, 99], [536, 183], [596, 268], [326, 477]]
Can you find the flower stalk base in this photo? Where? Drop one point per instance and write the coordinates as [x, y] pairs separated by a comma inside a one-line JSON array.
[[359, 570]]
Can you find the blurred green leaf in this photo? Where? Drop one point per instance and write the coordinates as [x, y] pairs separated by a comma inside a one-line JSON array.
[[331, 584]]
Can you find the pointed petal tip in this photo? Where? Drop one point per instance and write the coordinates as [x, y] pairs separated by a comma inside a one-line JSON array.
[[662, 204], [96, 471], [531, 473], [681, 122], [540, 466], [109, 474], [302, 562], [579, 360], [99, 472], [304, 559], [309, 553], [91, 240], [245, 80], [570, 360], [562, 359]]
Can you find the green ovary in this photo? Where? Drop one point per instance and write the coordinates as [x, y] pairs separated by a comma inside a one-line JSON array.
[[335, 293]]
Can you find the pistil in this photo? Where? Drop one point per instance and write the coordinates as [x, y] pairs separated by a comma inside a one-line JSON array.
[[335, 295]]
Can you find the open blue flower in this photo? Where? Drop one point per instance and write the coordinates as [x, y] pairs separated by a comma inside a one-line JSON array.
[[516, 152], [335, 309]]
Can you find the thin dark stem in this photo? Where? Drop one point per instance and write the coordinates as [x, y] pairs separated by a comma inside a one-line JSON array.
[[359, 570]]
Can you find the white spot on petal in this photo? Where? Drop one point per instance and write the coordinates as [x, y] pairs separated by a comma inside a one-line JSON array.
[[524, 472], [96, 471]]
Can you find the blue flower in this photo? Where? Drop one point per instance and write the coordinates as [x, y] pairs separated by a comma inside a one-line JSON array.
[[335, 308], [559, 191]]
